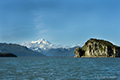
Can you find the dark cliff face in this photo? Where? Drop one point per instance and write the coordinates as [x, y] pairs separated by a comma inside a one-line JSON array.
[[78, 52], [100, 48], [7, 55]]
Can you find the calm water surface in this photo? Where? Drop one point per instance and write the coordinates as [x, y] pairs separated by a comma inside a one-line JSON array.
[[53, 68]]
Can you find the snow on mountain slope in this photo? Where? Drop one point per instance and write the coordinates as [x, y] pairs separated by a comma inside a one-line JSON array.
[[39, 44], [43, 46]]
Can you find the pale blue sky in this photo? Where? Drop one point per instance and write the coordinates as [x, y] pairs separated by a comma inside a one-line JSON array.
[[61, 22]]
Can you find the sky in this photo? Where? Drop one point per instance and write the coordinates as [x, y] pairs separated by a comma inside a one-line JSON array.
[[61, 22]]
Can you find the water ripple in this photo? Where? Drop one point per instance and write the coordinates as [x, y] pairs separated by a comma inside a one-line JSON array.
[[47, 68]]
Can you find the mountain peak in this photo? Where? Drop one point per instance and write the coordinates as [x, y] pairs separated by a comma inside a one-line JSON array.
[[41, 41], [41, 45]]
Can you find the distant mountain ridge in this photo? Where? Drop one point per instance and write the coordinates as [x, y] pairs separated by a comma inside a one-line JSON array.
[[49, 49], [18, 50], [60, 52]]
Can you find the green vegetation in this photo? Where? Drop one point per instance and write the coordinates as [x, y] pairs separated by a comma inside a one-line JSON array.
[[100, 48], [83, 54], [103, 42]]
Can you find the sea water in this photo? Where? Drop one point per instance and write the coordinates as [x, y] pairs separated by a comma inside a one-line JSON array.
[[59, 68]]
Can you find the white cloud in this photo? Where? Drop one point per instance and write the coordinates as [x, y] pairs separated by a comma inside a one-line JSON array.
[[38, 20], [39, 24]]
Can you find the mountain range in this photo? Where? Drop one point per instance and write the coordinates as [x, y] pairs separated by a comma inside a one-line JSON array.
[[18, 50], [45, 47], [40, 47]]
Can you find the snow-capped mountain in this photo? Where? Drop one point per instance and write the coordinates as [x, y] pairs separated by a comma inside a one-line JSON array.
[[48, 48], [38, 45]]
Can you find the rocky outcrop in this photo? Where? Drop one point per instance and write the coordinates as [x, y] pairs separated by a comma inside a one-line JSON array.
[[78, 52], [7, 55], [98, 48]]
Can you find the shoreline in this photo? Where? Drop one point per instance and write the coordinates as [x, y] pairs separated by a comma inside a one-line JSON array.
[[96, 57]]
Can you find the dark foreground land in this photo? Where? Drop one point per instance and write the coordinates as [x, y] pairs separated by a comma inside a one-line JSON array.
[[7, 55]]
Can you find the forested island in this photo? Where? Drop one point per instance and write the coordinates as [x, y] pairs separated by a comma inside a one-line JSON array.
[[97, 48]]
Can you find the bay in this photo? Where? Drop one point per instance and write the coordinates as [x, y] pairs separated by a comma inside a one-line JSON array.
[[59, 68]]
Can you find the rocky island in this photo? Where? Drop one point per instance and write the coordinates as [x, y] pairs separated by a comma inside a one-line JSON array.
[[97, 48], [7, 55]]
